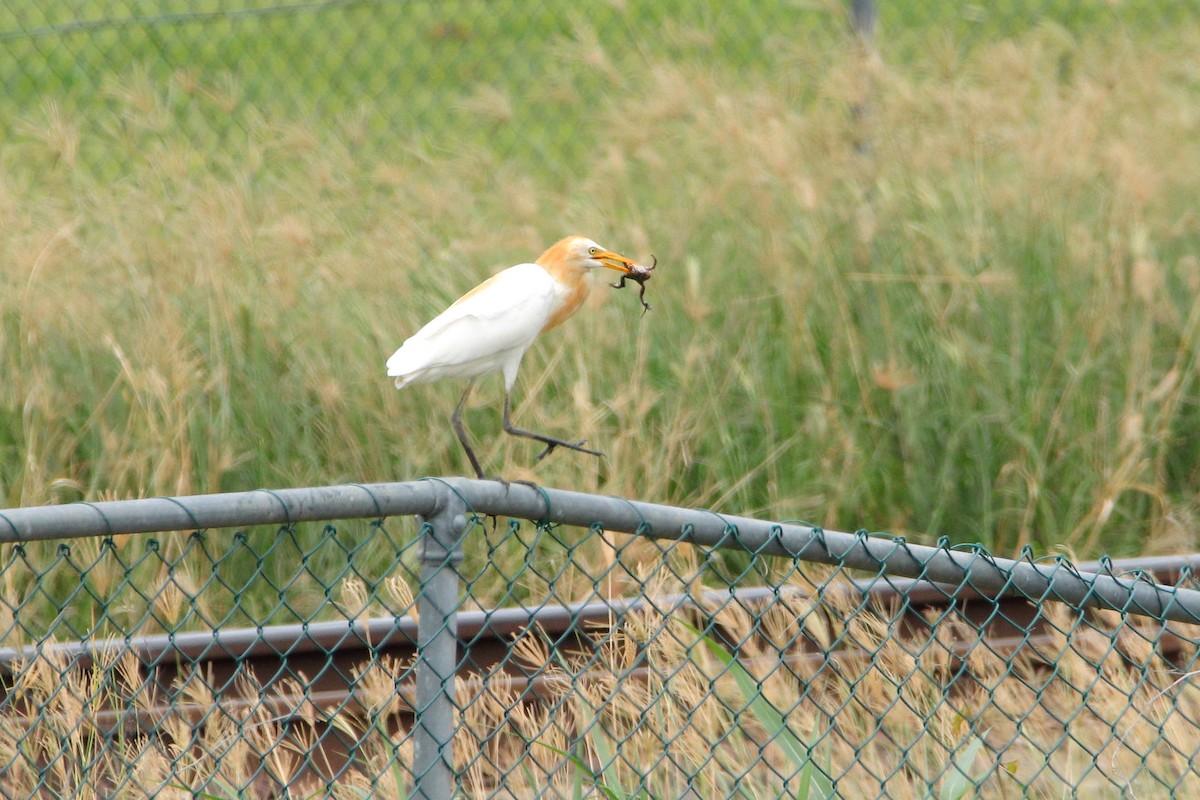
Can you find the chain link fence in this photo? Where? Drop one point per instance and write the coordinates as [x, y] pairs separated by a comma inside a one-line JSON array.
[[515, 642], [105, 84]]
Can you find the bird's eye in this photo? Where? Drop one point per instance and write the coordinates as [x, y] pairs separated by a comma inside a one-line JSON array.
[[591, 251]]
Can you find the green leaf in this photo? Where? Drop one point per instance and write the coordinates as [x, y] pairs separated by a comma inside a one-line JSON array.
[[582, 767], [797, 751], [957, 782], [194, 793]]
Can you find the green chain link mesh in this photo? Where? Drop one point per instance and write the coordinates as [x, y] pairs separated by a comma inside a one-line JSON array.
[[268, 663], [265, 663], [113, 78]]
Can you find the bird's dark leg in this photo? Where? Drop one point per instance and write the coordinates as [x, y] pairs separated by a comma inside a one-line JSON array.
[[549, 441], [461, 432]]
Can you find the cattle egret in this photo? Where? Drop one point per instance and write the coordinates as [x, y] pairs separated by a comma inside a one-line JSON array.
[[489, 328]]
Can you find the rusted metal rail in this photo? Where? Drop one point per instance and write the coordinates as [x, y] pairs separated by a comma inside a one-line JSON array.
[[323, 658]]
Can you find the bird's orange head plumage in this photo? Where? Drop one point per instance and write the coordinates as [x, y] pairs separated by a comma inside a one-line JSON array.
[[570, 261], [575, 255]]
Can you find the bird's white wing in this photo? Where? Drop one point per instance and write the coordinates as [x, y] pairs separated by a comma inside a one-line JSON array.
[[482, 331]]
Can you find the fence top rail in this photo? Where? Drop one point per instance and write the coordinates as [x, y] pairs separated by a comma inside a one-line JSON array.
[[973, 566], [228, 510]]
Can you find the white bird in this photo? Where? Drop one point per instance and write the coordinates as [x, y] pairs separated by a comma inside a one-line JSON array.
[[489, 328]]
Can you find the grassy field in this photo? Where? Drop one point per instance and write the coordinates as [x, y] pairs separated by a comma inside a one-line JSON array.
[[982, 325], [951, 291]]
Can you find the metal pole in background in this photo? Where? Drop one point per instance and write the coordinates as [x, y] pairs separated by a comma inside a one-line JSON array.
[[437, 648], [864, 13], [863, 17]]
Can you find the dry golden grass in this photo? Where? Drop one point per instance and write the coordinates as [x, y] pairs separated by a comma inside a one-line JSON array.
[[1089, 717], [102, 732], [1093, 709]]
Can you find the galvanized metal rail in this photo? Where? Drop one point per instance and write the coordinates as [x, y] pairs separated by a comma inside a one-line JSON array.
[[446, 502]]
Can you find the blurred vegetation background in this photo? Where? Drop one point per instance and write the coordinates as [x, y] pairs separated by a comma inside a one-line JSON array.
[[939, 281]]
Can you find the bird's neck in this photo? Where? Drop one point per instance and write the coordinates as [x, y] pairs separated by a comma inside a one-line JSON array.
[[574, 286]]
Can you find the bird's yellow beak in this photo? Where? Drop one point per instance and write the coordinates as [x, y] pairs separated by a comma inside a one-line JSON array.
[[618, 262]]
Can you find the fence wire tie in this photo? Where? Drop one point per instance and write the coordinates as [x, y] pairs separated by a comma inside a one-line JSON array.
[[1065, 564], [815, 535], [16, 534], [1137, 574], [191, 516], [473, 516], [818, 536], [545, 520], [1140, 576], [687, 535], [1106, 570], [1025, 556], [643, 527], [426, 528], [1055, 559], [99, 512], [899, 545], [374, 499], [975, 549], [775, 535], [287, 512], [1128, 581], [944, 545], [729, 530], [977, 552]]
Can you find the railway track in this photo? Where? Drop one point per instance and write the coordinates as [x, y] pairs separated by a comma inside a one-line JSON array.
[[324, 658], [329, 653]]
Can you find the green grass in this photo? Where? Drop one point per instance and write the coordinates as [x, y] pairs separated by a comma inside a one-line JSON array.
[[985, 328]]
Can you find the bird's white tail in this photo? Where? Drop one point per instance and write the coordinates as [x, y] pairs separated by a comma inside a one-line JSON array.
[[401, 367]]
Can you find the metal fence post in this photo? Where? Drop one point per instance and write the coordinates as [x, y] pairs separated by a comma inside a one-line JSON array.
[[437, 653], [863, 14], [863, 17]]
